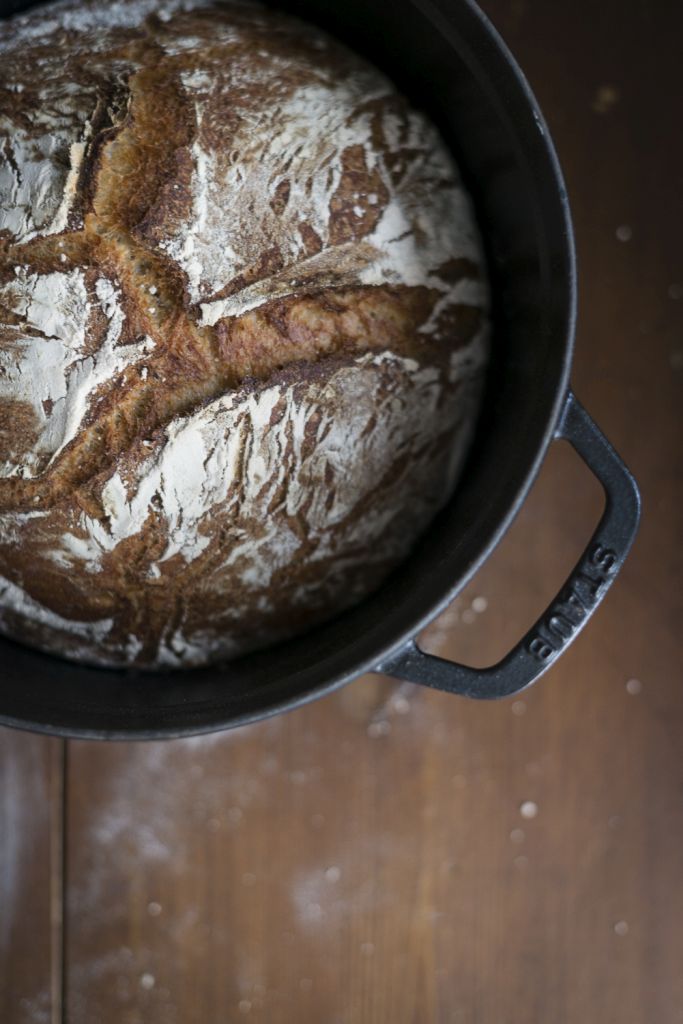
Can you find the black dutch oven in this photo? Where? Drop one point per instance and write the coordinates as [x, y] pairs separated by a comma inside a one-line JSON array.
[[448, 58]]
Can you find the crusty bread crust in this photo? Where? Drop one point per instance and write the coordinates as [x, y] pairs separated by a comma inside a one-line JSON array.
[[242, 329]]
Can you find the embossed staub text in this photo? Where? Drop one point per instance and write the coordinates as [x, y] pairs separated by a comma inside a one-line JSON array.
[[576, 601]]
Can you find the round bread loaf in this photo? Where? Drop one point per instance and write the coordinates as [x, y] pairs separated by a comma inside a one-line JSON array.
[[242, 329]]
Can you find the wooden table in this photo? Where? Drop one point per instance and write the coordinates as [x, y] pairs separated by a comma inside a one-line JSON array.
[[399, 855]]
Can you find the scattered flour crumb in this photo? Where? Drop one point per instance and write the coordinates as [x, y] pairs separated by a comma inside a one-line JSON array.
[[624, 233], [400, 705], [605, 99], [634, 686], [621, 928], [313, 912], [528, 809], [147, 981]]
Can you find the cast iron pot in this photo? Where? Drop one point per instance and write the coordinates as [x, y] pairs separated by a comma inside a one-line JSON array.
[[448, 58]]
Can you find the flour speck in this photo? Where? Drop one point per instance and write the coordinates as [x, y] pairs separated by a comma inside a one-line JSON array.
[[605, 99], [400, 705], [381, 728]]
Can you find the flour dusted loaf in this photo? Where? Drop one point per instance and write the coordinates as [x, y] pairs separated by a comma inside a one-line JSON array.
[[242, 329]]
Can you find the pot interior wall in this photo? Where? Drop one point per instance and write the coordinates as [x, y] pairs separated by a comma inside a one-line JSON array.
[[445, 59]]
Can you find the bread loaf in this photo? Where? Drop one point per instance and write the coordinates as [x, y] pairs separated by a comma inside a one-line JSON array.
[[243, 324]]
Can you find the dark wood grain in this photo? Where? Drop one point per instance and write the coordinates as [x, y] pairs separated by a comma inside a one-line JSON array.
[[365, 859], [30, 878]]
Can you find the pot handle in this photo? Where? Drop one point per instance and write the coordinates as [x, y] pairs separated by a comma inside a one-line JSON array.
[[580, 596]]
